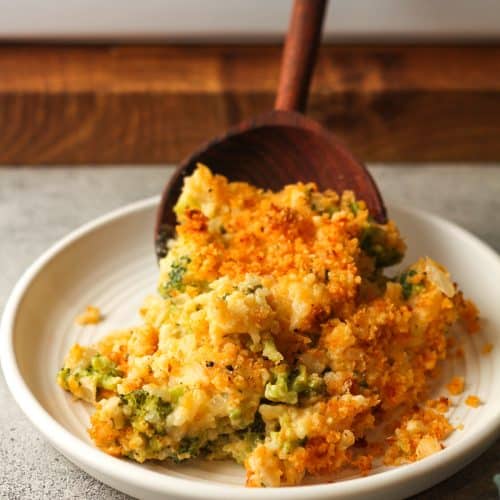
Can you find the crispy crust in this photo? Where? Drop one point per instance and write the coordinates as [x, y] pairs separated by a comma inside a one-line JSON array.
[[277, 340]]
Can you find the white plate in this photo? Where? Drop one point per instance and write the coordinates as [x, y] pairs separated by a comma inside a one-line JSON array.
[[110, 263]]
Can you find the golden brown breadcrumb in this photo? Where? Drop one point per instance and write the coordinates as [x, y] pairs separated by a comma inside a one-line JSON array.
[[456, 386], [91, 316], [278, 340], [472, 401]]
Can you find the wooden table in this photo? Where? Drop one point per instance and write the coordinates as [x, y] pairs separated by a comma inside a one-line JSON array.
[[154, 104]]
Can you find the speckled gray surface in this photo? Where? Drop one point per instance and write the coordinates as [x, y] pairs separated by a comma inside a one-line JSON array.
[[38, 206]]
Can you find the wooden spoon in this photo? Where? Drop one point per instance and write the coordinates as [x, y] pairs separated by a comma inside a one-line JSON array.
[[283, 146]]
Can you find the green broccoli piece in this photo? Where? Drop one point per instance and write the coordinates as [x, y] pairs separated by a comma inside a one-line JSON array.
[[175, 276], [286, 387], [373, 242], [408, 289], [299, 379], [278, 391], [304, 383], [271, 352], [189, 447], [140, 405], [354, 207], [100, 371]]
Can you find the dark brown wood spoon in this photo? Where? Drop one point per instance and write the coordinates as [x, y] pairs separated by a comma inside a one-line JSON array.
[[283, 146]]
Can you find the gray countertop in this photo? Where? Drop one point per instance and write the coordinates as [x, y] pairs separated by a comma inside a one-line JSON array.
[[39, 206]]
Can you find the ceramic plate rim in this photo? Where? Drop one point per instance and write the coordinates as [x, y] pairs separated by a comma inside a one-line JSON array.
[[82, 453]]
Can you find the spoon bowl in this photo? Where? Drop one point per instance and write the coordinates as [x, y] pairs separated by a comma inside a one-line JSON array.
[[283, 146]]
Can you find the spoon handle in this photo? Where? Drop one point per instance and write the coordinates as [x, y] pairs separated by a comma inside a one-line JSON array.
[[299, 55]]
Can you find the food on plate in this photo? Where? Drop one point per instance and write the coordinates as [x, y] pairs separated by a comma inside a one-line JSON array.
[[456, 386], [91, 316], [276, 340], [472, 401], [487, 348]]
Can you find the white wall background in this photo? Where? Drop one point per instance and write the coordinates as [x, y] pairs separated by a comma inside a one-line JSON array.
[[245, 20]]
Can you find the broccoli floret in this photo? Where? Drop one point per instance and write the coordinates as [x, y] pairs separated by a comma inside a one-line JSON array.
[[278, 391], [175, 276], [62, 377], [105, 371], [304, 383], [271, 352], [249, 438], [286, 387], [176, 393], [189, 447], [235, 416], [140, 405], [299, 379], [329, 210], [354, 207], [408, 289], [99, 373], [373, 241]]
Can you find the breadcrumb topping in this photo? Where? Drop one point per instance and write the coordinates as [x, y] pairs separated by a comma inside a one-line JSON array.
[[277, 340], [91, 316], [472, 401], [487, 348], [456, 386]]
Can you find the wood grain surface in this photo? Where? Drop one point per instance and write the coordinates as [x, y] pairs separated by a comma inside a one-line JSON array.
[[156, 104]]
